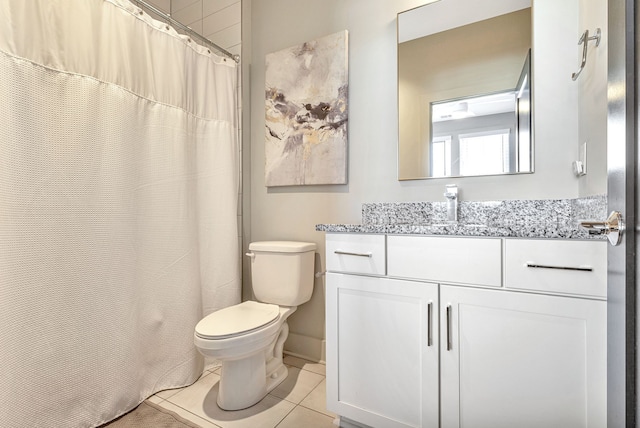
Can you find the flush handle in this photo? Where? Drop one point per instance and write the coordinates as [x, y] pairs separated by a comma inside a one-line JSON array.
[[613, 227]]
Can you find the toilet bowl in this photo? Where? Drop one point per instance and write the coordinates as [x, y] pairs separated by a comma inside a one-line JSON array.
[[250, 350], [248, 338]]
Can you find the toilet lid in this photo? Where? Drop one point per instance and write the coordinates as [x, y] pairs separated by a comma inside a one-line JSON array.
[[237, 319]]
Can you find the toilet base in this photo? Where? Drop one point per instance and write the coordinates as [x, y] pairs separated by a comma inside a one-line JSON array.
[[246, 381], [250, 373]]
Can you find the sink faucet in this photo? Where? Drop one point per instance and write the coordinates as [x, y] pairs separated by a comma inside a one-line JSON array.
[[451, 194]]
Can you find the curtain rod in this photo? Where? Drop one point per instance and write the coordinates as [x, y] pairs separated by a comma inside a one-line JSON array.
[[175, 23]]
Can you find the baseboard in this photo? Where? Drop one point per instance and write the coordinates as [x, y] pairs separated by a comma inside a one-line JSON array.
[[307, 347]]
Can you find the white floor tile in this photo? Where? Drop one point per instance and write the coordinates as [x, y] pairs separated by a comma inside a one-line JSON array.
[[297, 385], [155, 399], [317, 400], [168, 393], [300, 363], [303, 417], [200, 399], [305, 385], [203, 423]]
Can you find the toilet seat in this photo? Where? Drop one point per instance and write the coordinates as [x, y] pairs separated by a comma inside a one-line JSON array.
[[237, 320]]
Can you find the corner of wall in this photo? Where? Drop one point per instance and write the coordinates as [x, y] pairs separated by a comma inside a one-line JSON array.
[[246, 144]]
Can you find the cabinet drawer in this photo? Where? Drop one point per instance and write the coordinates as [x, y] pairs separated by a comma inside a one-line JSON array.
[[356, 253], [574, 267], [476, 261]]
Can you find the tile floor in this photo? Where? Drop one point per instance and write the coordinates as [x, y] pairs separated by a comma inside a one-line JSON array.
[[297, 402]]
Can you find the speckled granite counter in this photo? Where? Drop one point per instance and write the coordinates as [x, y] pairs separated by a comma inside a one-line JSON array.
[[549, 218]]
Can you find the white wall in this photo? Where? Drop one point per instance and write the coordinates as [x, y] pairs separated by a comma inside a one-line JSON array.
[[293, 212], [592, 99]]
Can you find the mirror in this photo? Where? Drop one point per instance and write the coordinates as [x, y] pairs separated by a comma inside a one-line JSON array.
[[464, 85]]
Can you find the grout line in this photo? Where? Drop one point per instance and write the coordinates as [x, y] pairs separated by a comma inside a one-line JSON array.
[[197, 416], [232, 24], [303, 398], [285, 416], [185, 409], [220, 10], [160, 399], [320, 413], [219, 30]]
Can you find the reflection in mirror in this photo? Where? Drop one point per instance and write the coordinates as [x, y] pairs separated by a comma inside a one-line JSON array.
[[482, 135], [463, 92]]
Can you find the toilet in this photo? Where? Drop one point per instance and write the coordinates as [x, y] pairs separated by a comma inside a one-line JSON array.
[[248, 338]]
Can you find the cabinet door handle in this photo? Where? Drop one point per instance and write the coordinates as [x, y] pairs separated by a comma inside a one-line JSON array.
[[429, 324], [582, 269], [449, 339], [348, 253]]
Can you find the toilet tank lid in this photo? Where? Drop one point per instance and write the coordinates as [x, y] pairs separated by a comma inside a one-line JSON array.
[[282, 246]]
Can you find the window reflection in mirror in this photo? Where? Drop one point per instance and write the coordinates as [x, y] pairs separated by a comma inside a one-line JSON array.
[[454, 85], [482, 135]]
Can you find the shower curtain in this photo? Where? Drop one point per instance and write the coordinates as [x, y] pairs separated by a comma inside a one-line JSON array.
[[118, 208]]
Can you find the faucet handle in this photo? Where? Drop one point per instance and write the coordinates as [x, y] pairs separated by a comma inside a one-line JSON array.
[[451, 191]]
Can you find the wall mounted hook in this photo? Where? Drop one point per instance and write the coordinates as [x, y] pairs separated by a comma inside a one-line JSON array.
[[584, 41]]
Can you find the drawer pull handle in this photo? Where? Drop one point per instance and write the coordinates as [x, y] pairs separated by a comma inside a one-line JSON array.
[[449, 339], [429, 326], [581, 269], [348, 253]]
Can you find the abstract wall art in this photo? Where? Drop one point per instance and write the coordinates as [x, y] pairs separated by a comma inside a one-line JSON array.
[[306, 114]]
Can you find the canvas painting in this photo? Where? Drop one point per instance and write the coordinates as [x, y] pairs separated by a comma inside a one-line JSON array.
[[306, 113]]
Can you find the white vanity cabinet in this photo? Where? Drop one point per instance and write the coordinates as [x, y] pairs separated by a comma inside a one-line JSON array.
[[382, 350], [511, 359], [421, 344]]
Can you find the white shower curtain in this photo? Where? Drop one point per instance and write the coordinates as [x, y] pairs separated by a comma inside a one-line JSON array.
[[118, 208]]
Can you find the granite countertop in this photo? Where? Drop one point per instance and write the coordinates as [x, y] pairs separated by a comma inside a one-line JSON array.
[[557, 218]]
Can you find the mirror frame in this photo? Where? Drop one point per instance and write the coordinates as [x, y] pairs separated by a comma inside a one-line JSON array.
[[527, 65]]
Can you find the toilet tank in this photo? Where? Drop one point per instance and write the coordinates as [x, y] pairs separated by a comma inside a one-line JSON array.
[[282, 271]]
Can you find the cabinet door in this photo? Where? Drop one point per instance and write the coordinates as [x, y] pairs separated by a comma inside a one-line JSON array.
[[512, 359], [381, 368]]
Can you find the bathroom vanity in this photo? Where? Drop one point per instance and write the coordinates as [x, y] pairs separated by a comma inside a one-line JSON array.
[[428, 331]]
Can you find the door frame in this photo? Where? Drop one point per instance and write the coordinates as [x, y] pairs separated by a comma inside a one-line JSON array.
[[622, 164]]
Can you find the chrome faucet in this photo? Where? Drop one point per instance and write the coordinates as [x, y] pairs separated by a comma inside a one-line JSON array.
[[451, 194]]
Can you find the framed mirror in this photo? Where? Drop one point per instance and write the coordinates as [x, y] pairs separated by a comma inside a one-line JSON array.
[[464, 90]]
